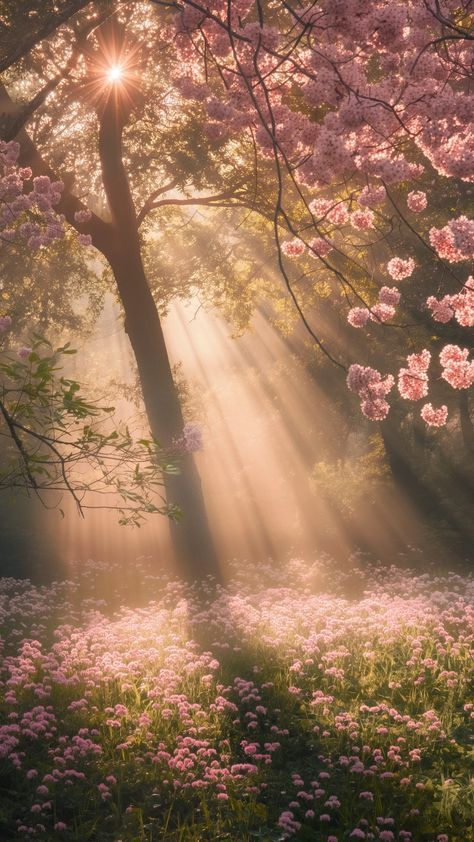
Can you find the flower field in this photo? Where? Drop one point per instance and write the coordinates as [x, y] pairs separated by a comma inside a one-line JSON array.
[[323, 707]]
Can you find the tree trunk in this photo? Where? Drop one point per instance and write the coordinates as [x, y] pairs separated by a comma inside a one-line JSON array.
[[467, 427], [433, 506], [191, 536]]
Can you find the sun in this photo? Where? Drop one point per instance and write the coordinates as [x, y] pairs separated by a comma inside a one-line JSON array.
[[115, 73]]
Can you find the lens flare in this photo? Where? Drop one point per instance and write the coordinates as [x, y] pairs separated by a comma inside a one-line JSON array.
[[115, 73]]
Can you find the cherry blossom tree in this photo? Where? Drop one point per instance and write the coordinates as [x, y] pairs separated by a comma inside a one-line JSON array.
[[358, 102]]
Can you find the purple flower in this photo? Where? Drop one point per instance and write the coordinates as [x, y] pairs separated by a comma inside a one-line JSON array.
[[24, 352]]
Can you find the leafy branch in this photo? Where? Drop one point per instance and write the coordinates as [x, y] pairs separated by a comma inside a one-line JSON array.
[[58, 443]]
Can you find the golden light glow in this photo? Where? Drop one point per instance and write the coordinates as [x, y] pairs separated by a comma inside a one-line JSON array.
[[114, 69], [261, 419], [115, 73]]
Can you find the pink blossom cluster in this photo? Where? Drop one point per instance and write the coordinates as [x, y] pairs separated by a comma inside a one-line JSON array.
[[441, 309], [338, 214], [191, 440], [383, 311], [458, 370], [293, 248], [434, 417], [455, 241], [192, 434], [413, 380], [399, 269], [417, 201], [318, 247], [358, 316], [460, 305], [392, 169], [320, 206], [83, 215], [370, 197], [27, 204], [389, 296], [372, 389], [418, 99], [334, 211], [362, 219]]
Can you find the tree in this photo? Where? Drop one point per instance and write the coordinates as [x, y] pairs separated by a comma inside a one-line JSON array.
[[56, 442], [119, 242], [352, 107]]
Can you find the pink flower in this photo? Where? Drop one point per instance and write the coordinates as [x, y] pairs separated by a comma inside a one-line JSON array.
[[319, 247], [419, 362], [372, 196], [441, 310], [24, 352], [85, 239], [362, 219], [399, 268], [458, 371], [338, 215], [372, 389], [382, 312], [60, 826], [463, 304], [389, 296], [412, 385], [417, 201], [413, 381], [434, 417], [293, 248], [83, 215], [41, 184], [192, 435], [42, 790], [320, 207], [5, 323], [251, 749], [455, 241], [358, 316]]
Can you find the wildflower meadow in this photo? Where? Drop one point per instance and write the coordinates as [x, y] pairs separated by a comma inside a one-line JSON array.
[[317, 708]]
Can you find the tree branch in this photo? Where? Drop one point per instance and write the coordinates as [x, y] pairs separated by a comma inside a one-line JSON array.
[[50, 24], [100, 231], [209, 201]]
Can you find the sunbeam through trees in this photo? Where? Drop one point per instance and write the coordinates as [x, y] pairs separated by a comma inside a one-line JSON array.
[[237, 442]]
